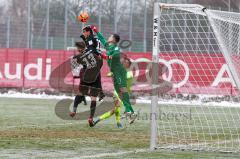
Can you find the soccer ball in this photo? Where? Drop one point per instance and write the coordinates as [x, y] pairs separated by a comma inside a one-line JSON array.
[[83, 17]]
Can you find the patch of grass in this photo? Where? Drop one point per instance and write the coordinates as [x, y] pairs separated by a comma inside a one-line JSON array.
[[31, 125]]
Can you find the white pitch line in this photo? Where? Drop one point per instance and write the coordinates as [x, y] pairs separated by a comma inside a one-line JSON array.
[[32, 125], [111, 154]]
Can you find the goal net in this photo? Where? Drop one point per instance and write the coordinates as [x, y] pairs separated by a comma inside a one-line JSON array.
[[201, 51]]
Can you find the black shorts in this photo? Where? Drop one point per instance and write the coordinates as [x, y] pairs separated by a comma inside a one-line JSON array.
[[91, 89]]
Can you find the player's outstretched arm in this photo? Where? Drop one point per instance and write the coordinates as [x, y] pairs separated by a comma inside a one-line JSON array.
[[100, 36]]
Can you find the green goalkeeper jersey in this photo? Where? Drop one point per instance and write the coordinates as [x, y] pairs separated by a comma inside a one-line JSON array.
[[113, 51]]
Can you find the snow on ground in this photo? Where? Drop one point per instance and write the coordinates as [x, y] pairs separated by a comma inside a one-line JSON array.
[[143, 100], [174, 102], [14, 94], [73, 154]]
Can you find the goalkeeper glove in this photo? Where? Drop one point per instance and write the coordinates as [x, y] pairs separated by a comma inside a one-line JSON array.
[[106, 57], [94, 28]]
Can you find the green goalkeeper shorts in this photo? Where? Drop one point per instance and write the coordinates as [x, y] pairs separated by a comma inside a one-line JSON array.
[[119, 80]]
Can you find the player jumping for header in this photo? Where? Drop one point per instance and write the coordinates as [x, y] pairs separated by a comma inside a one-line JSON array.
[[93, 44]]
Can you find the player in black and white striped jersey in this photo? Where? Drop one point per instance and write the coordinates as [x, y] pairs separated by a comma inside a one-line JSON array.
[[90, 82], [92, 43]]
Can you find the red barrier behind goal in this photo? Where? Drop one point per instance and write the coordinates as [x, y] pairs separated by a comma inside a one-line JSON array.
[[196, 74]]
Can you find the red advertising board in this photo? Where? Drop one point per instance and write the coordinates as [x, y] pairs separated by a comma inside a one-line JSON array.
[[188, 72]]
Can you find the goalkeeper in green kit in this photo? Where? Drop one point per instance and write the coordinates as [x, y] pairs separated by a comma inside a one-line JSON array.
[[118, 70]]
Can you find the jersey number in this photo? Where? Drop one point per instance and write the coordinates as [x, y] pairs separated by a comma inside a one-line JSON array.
[[90, 61]]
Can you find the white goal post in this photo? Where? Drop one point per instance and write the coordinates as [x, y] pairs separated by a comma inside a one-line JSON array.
[[203, 41]]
